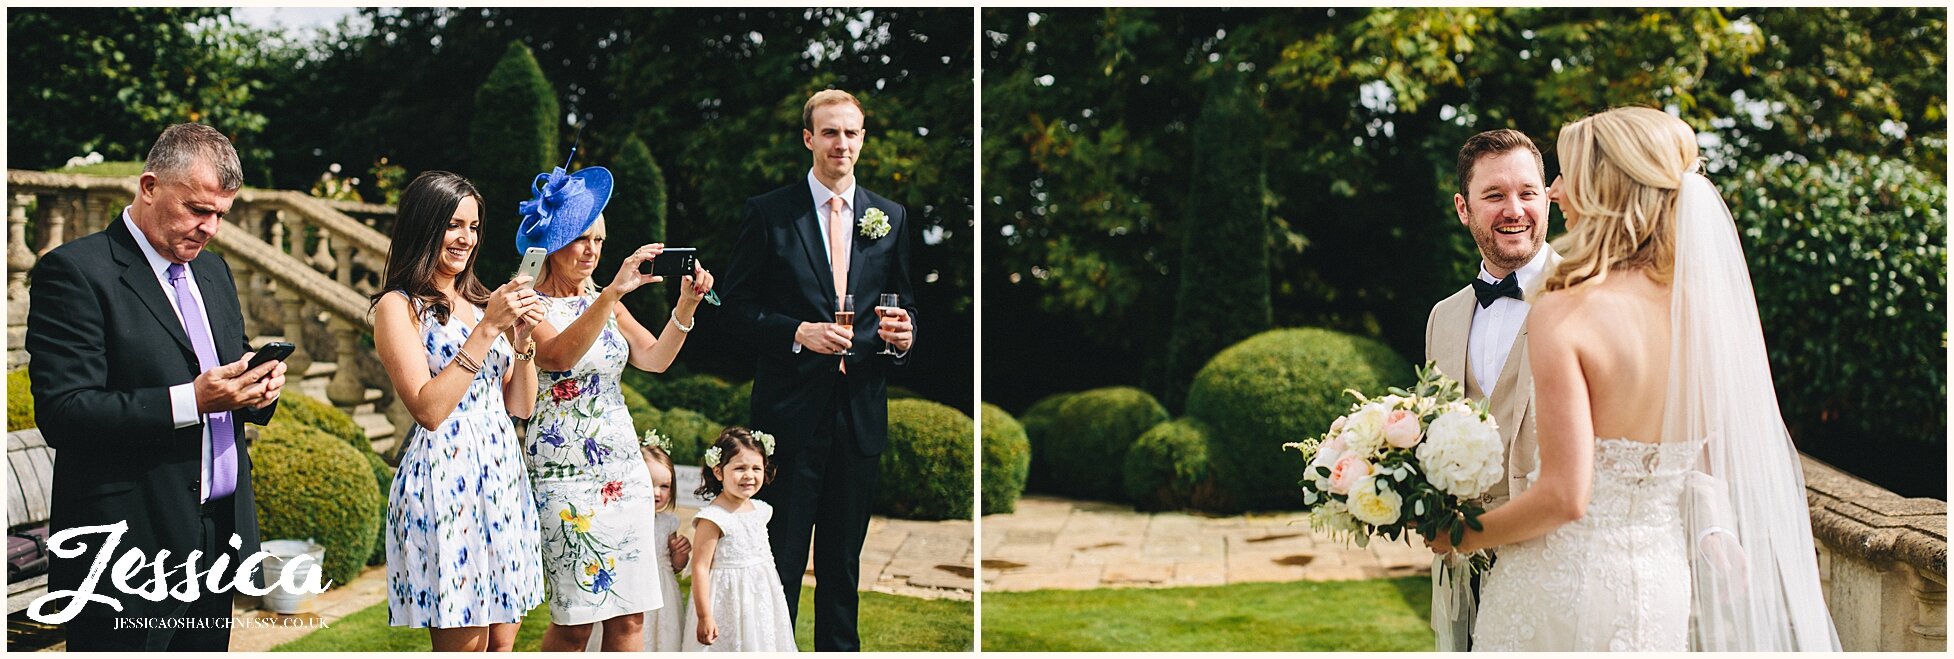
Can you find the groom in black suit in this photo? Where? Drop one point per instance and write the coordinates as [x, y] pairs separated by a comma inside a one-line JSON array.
[[140, 385], [801, 247]]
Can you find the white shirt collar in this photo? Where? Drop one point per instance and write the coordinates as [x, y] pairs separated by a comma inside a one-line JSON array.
[[1527, 274], [822, 194], [157, 263]]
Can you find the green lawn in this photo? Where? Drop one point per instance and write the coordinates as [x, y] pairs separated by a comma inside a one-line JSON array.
[[889, 624], [1381, 614]]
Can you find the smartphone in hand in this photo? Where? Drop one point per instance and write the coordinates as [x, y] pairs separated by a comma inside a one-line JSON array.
[[271, 352], [532, 264], [675, 262]]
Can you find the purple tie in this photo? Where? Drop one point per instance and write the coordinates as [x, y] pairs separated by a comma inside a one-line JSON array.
[[223, 442]]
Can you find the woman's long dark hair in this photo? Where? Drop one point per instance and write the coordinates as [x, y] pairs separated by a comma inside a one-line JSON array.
[[414, 257]]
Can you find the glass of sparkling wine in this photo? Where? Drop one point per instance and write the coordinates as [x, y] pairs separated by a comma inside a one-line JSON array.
[[845, 317], [887, 300]]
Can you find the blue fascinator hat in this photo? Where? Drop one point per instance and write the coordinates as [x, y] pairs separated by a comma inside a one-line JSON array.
[[562, 206]]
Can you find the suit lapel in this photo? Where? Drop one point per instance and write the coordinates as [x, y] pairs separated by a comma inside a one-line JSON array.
[[857, 246], [222, 324], [142, 283], [1510, 398], [809, 228], [1453, 327]]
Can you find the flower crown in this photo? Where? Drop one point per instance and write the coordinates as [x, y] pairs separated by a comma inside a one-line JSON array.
[[654, 440], [765, 441]]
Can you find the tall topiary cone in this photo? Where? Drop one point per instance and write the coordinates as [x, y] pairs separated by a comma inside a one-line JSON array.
[[512, 139], [636, 216], [1224, 266]]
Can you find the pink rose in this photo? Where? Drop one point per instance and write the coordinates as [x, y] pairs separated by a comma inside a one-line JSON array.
[[1401, 429], [1349, 469]]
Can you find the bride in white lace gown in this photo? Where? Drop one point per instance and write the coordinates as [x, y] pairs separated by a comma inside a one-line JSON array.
[[1667, 512]]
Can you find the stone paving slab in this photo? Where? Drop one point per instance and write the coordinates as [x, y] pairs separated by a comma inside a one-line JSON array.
[[1054, 543]]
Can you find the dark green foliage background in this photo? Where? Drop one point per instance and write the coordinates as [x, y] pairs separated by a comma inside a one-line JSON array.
[[1091, 142]]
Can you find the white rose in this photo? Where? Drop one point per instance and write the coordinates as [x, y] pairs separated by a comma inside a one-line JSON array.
[[1364, 431], [1462, 455], [1333, 517], [1372, 507]]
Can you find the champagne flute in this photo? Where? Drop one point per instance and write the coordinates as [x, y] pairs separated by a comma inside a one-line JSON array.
[[887, 300], [845, 317]]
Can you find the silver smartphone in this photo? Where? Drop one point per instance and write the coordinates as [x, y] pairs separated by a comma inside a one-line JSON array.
[[532, 264]]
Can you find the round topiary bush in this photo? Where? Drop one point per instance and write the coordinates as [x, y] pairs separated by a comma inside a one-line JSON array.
[[1007, 458], [20, 400], [1275, 387], [384, 475], [925, 473], [312, 485], [1167, 468], [691, 433], [299, 409], [1087, 443], [1037, 421]]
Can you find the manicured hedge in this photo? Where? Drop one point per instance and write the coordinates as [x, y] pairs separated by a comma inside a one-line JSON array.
[[296, 408], [1037, 421], [1007, 458], [20, 401], [1085, 446], [1168, 466], [925, 473], [313, 485], [1275, 387]]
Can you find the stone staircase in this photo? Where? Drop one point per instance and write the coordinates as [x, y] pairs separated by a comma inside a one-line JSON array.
[[303, 266]]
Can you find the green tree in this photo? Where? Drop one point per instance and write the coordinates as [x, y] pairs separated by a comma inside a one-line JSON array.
[[636, 216], [109, 80], [1224, 267], [513, 138]]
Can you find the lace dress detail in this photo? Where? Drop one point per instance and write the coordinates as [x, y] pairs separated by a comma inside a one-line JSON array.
[[1617, 579], [748, 603]]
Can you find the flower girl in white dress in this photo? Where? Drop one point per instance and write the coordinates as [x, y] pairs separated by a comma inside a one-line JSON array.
[[737, 602]]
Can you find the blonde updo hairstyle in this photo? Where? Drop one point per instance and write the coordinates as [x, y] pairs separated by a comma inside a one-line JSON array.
[[1621, 171]]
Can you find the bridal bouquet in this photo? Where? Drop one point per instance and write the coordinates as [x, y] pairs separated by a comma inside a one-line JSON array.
[[1417, 459]]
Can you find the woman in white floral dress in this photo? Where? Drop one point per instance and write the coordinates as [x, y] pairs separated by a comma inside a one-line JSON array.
[[461, 523], [593, 492]]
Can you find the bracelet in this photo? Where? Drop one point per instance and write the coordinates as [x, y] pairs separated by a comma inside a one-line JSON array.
[[467, 362], [528, 353], [684, 328]]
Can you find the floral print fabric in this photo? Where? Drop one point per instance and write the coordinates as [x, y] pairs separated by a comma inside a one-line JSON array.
[[461, 522], [593, 491]]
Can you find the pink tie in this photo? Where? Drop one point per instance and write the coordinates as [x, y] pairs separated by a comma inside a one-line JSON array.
[[838, 245], [838, 255]]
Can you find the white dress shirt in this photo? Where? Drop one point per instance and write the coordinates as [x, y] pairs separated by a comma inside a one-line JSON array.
[[1494, 328], [821, 196], [183, 397]]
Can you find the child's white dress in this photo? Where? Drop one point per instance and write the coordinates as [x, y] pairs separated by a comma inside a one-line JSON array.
[[748, 604], [664, 626]]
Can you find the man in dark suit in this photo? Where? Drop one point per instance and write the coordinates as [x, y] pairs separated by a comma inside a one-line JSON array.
[[139, 381], [801, 247]]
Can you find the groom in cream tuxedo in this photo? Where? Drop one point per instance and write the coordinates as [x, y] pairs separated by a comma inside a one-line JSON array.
[[1478, 335]]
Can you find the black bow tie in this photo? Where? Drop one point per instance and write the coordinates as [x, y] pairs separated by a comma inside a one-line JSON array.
[[1508, 287]]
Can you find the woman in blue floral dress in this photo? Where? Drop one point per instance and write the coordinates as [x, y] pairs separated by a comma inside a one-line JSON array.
[[593, 492], [462, 534]]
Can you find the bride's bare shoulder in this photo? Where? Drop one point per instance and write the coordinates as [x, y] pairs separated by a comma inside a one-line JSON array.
[[1627, 297]]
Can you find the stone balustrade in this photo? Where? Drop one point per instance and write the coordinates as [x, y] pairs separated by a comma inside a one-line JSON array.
[[303, 268], [1883, 560]]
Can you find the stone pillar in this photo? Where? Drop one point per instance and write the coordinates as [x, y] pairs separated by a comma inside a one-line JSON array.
[[20, 259], [294, 307], [54, 219], [322, 256], [346, 390], [1929, 629], [343, 260]]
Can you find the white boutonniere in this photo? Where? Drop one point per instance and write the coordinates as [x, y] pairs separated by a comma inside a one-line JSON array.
[[874, 223]]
